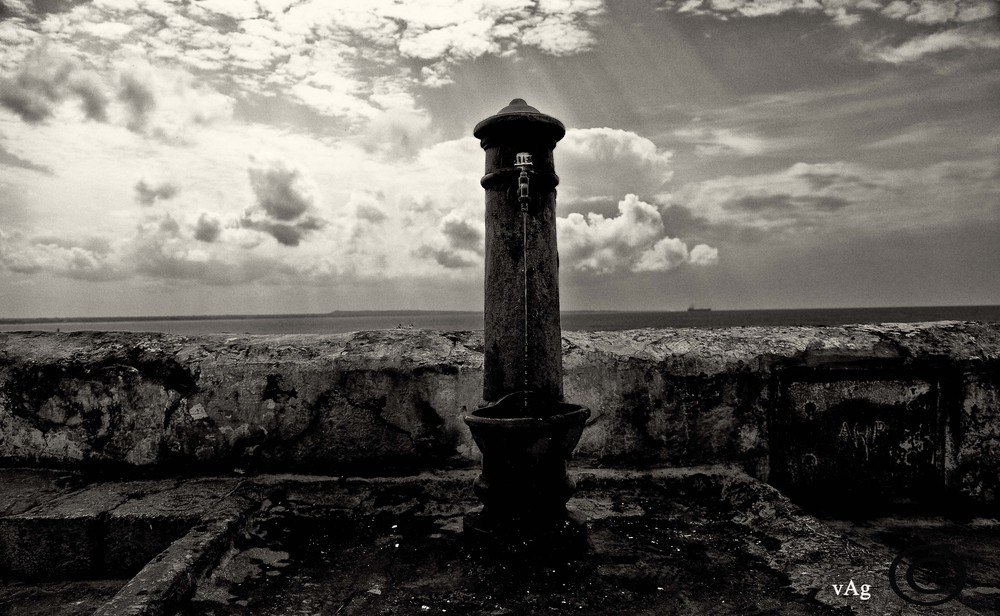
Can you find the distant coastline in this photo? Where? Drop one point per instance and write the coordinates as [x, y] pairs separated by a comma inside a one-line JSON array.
[[453, 320], [220, 317], [404, 313]]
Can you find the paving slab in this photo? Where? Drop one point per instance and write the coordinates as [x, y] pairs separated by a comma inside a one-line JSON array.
[[62, 598], [102, 529], [22, 489]]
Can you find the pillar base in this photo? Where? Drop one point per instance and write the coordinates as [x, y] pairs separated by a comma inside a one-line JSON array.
[[559, 538]]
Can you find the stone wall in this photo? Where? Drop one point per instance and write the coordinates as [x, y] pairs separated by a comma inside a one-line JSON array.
[[871, 411]]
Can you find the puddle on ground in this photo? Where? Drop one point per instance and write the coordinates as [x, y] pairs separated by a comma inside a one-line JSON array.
[[652, 557]]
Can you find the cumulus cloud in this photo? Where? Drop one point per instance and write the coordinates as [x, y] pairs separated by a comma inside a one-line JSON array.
[[608, 162], [207, 229], [633, 241], [158, 102], [461, 234], [80, 258], [282, 191], [136, 92], [45, 80], [367, 206], [284, 202], [148, 192], [169, 226], [703, 254], [445, 257], [157, 251], [665, 254], [167, 104], [395, 127], [460, 243], [161, 254]]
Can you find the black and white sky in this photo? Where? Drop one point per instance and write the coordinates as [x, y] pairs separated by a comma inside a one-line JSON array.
[[220, 156]]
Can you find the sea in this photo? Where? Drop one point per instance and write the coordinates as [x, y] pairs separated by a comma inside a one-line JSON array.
[[349, 321]]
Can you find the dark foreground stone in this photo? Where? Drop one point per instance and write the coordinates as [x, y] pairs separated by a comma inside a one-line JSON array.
[[699, 540]]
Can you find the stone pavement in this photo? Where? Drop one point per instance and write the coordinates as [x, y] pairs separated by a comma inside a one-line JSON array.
[[696, 540]]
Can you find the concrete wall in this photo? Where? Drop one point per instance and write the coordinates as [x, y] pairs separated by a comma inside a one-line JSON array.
[[876, 412]]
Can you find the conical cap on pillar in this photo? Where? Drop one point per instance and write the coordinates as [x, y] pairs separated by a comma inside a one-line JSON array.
[[515, 116]]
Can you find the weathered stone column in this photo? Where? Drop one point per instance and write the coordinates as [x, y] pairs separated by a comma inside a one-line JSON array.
[[509, 365]]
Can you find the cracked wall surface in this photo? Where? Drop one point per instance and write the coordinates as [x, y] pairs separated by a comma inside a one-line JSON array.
[[875, 410]]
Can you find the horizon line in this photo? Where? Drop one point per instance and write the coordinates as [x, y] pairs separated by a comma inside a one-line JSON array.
[[410, 312]]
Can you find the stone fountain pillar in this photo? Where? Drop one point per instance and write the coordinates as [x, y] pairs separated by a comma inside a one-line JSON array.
[[526, 431], [520, 128]]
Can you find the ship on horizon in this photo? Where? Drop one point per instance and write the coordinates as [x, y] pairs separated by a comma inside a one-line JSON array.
[[692, 308]]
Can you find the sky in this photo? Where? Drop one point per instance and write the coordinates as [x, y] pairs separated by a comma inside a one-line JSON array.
[[168, 157]]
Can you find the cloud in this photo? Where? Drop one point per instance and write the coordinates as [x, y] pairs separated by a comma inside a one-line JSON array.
[[282, 192], [167, 104], [395, 126], [720, 141], [936, 12], [665, 254], [727, 9], [159, 254], [839, 195], [168, 226], [153, 101], [367, 206], [608, 162], [136, 92], [45, 80], [962, 38], [703, 254], [207, 229], [634, 241], [562, 33], [445, 257], [458, 41], [463, 30], [13, 160], [462, 244], [462, 234], [286, 234], [284, 202], [83, 258], [147, 193], [918, 134], [841, 12], [802, 195], [309, 50]]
